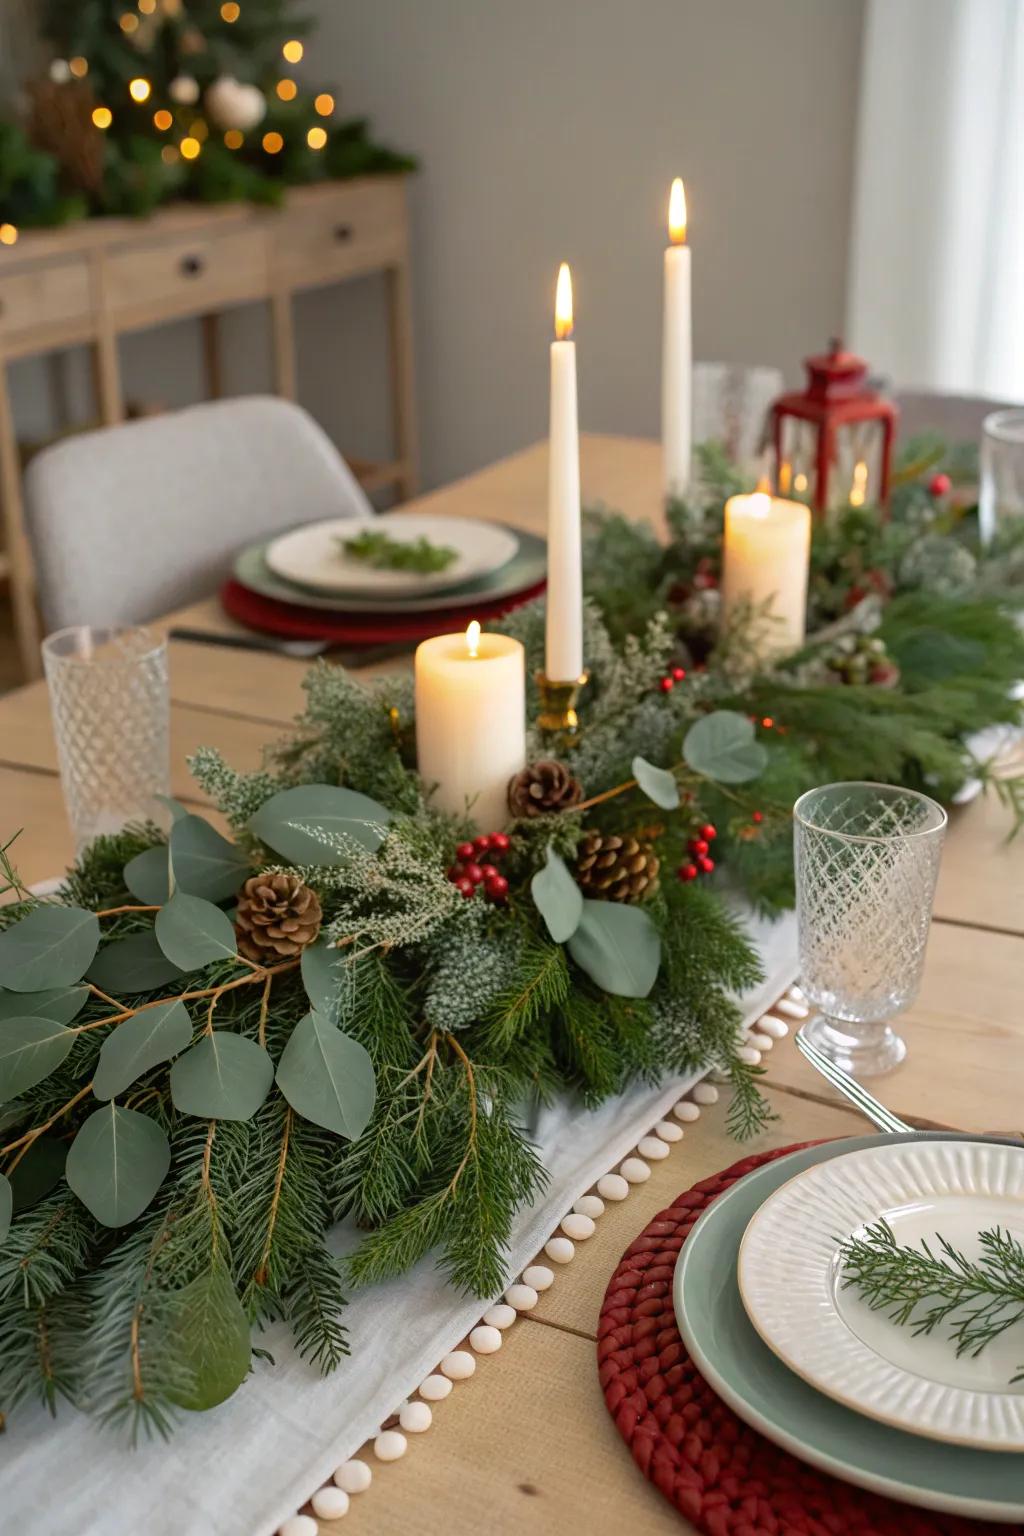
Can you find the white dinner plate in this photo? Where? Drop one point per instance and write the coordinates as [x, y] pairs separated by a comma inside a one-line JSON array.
[[790, 1277], [313, 556]]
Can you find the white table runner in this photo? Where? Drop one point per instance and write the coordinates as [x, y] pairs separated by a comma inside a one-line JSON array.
[[243, 1468]]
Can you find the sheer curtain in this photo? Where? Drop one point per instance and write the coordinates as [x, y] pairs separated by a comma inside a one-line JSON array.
[[936, 293]]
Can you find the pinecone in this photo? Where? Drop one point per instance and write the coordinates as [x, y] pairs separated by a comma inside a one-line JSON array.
[[615, 868], [277, 917], [543, 787]]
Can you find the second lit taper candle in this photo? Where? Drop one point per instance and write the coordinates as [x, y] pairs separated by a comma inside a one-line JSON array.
[[676, 352], [563, 651]]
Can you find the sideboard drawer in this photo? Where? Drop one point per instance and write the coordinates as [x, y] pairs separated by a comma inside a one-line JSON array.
[[40, 298], [185, 275], [340, 231]]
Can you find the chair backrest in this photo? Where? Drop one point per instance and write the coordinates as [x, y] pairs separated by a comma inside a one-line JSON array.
[[730, 405], [136, 520], [957, 418]]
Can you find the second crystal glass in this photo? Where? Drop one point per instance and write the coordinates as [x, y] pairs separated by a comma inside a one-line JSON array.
[[867, 859], [111, 717]]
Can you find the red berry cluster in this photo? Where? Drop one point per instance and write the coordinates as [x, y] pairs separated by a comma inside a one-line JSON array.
[[940, 484], [668, 682], [700, 863], [468, 872]]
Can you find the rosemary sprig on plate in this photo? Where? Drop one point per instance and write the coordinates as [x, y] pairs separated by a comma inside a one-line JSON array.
[[387, 554], [918, 1288]]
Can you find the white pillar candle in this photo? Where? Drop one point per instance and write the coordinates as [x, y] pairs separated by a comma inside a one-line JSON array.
[[563, 650], [471, 722], [677, 353], [766, 552]]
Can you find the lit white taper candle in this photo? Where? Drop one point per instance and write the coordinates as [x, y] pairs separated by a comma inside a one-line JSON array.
[[563, 653], [677, 352], [471, 722]]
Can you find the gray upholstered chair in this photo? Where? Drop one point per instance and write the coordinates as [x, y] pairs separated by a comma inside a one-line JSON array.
[[133, 521], [957, 418]]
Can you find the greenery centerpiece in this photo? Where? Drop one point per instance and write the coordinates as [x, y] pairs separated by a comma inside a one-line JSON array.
[[213, 1047]]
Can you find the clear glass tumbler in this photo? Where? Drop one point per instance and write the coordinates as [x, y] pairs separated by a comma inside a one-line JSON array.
[[110, 701], [1001, 489], [867, 859]]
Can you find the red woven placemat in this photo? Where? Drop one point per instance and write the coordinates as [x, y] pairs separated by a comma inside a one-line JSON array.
[[717, 1471], [302, 623]]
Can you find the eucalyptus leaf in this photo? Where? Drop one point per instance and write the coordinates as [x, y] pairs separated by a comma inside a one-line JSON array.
[[135, 964], [30, 1049], [223, 1077], [151, 1036], [327, 1077], [193, 932], [148, 875], [52, 947], [117, 1163], [6, 1207], [39, 1170], [309, 824], [657, 784], [61, 1004], [557, 897], [723, 746], [618, 946], [12, 1112], [211, 1338], [177, 810], [324, 977], [204, 863]]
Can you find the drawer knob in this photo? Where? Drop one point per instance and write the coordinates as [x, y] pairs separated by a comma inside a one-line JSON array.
[[191, 266], [343, 232]]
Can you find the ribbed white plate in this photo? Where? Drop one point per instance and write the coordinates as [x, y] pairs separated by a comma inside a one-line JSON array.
[[312, 556], [790, 1279]]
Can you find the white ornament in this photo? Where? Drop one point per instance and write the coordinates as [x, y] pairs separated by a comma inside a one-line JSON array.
[[759, 1041], [749, 1054], [500, 1316], [522, 1297], [667, 1131], [705, 1093], [435, 1389], [635, 1170], [390, 1445], [652, 1147], [60, 71], [539, 1276], [777, 1028], [485, 1339], [330, 1503], [415, 1418], [589, 1205], [354, 1476], [298, 1525], [577, 1226], [686, 1111], [184, 90], [613, 1186], [792, 1010], [234, 105], [458, 1365], [559, 1250]]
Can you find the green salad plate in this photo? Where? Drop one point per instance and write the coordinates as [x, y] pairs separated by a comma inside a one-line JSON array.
[[763, 1392]]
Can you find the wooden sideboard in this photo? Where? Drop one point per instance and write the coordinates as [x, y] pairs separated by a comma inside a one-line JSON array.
[[92, 282]]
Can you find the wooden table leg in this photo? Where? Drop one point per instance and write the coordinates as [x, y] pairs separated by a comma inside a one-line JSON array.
[[284, 344], [403, 382], [23, 597], [213, 362]]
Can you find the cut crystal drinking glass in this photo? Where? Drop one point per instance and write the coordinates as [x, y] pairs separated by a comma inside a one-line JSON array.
[[1001, 491], [867, 859], [111, 717]]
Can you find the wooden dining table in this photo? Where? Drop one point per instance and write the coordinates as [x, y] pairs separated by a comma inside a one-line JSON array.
[[527, 1445]]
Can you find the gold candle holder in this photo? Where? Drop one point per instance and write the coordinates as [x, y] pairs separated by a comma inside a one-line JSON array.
[[558, 717]]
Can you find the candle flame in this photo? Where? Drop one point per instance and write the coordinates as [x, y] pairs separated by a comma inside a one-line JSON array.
[[677, 213], [858, 492], [563, 303], [764, 486], [800, 483], [473, 638], [760, 503], [785, 477]]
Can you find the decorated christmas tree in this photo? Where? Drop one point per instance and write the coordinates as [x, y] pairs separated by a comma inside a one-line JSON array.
[[157, 99]]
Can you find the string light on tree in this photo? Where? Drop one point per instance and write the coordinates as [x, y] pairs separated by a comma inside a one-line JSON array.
[[273, 143], [79, 66], [8, 234], [162, 120], [102, 117], [316, 138], [147, 7], [234, 139], [293, 50], [129, 23], [190, 147], [184, 90], [287, 90], [139, 89], [230, 11], [324, 104]]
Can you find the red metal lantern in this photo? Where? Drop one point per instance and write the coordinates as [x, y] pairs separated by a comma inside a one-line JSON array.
[[833, 440]]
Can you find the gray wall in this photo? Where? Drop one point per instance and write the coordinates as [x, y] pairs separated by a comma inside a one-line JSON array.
[[550, 130]]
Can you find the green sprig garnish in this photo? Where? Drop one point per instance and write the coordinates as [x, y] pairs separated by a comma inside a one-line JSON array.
[[387, 554], [919, 1289]]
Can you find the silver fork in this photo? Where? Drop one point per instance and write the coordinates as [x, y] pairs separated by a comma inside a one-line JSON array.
[[850, 1088]]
